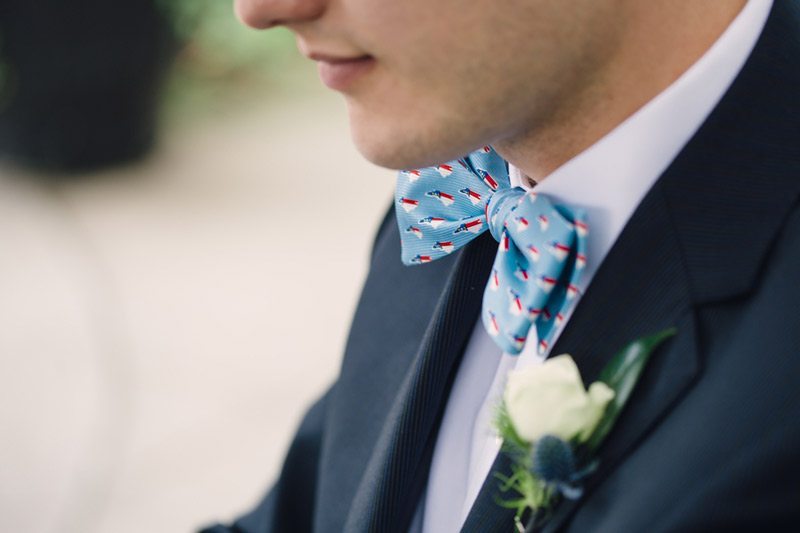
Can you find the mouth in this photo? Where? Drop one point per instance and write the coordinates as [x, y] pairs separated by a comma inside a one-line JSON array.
[[340, 73]]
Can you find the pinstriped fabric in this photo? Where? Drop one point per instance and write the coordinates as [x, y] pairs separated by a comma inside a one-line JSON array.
[[402, 458]]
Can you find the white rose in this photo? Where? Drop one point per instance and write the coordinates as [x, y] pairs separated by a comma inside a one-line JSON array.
[[550, 399]]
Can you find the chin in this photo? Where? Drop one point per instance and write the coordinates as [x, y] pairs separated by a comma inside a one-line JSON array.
[[395, 147], [389, 154]]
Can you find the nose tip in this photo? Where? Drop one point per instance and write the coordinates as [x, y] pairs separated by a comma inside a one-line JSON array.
[[263, 14]]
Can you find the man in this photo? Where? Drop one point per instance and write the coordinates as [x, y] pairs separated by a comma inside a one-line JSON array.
[[674, 126]]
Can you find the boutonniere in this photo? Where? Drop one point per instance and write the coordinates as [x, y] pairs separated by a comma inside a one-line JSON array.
[[551, 426]]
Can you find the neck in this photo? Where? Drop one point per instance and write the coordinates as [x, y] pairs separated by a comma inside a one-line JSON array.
[[660, 40]]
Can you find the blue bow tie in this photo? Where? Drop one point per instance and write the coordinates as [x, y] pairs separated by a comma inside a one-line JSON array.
[[541, 252]]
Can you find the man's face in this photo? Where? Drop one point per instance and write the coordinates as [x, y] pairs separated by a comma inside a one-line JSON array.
[[444, 77]]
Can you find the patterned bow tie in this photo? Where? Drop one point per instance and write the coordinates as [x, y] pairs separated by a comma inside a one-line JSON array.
[[542, 246]]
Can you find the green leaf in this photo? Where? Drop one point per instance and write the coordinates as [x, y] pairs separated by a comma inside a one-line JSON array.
[[621, 375], [512, 442]]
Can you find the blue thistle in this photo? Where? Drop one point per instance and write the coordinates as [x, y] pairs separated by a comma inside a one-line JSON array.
[[554, 463]]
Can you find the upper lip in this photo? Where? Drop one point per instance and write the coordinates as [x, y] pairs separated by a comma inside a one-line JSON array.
[[328, 58]]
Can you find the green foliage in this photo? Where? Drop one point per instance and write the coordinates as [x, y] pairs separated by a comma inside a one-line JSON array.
[[621, 374], [505, 429], [221, 62], [528, 491], [211, 31]]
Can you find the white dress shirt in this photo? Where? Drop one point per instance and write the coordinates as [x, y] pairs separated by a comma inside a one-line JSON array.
[[608, 180]]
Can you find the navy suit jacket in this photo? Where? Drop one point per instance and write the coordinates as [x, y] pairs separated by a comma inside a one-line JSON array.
[[710, 437]]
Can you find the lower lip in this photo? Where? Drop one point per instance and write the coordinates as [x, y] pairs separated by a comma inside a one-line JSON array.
[[342, 74]]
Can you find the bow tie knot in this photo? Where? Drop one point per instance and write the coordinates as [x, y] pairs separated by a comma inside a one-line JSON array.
[[541, 249], [500, 210]]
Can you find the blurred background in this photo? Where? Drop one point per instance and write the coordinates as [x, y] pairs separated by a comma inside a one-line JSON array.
[[163, 171]]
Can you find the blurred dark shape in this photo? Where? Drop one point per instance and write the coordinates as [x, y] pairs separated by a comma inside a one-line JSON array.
[[80, 81]]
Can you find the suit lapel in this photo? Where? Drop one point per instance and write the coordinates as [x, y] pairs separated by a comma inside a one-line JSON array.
[[699, 236], [397, 470]]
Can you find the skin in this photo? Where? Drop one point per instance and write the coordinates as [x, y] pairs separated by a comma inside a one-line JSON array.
[[539, 80]]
